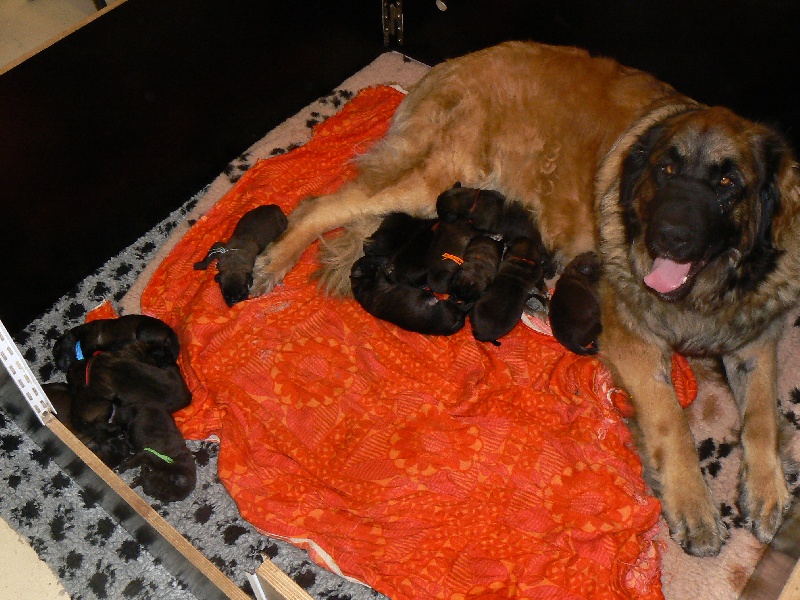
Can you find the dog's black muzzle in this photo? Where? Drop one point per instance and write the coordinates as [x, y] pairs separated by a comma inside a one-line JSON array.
[[686, 223]]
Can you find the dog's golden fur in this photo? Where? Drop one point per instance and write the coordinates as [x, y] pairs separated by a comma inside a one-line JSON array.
[[551, 128]]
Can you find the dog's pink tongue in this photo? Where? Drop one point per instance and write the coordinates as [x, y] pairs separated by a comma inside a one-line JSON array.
[[667, 275]]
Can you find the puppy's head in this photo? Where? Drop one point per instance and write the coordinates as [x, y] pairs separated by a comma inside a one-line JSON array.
[[456, 202], [167, 483], [364, 273], [235, 286], [235, 275], [395, 230], [64, 350], [584, 266]]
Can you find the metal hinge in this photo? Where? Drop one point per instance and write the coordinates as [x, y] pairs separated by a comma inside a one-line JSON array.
[[392, 21]]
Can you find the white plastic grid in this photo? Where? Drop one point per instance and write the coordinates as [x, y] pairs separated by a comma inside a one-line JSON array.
[[23, 377]]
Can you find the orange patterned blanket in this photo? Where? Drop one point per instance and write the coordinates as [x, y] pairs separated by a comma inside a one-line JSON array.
[[426, 467]]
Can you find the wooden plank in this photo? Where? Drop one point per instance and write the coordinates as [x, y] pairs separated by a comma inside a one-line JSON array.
[[147, 512], [133, 514], [60, 36], [791, 591], [277, 585], [769, 575]]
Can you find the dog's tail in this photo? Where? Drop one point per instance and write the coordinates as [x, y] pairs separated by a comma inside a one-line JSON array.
[[338, 254]]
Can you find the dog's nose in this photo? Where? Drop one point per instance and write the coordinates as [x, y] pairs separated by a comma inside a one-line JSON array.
[[672, 239], [685, 219]]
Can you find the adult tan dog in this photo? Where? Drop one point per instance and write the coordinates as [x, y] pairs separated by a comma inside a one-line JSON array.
[[693, 210]]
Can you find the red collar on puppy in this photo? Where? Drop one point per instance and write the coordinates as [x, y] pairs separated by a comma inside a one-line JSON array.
[[89, 364]]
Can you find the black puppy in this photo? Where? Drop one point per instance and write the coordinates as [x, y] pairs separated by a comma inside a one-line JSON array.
[[125, 389], [90, 422], [483, 207], [575, 305], [519, 277], [409, 307], [130, 375], [446, 252], [235, 258], [168, 471], [481, 261], [392, 234], [112, 334], [487, 210], [403, 241]]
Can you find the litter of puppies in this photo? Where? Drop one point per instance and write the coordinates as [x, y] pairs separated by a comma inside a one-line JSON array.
[[123, 384], [482, 259]]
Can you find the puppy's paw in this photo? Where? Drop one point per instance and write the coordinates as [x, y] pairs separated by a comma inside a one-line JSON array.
[[764, 500]]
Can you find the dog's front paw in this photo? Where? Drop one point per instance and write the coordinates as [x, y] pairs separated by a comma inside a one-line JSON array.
[[695, 523], [703, 537], [764, 500], [264, 277]]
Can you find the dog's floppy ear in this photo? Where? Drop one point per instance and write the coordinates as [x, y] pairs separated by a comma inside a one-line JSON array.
[[633, 168], [636, 161], [770, 159], [762, 256]]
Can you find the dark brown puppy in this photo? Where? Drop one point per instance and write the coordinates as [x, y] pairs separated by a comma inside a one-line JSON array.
[[130, 376], [491, 212], [112, 334], [483, 207], [446, 252], [125, 390], [90, 423], [403, 241], [409, 307], [392, 234], [488, 211], [481, 261], [235, 258], [575, 305], [519, 277], [168, 471]]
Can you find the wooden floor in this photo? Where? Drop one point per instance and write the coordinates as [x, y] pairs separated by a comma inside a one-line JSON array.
[[27, 26]]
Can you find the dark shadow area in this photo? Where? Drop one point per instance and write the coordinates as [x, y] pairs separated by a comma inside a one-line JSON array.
[[110, 129]]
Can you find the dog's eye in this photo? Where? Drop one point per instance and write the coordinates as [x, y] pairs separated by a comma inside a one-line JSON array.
[[668, 169], [726, 181]]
